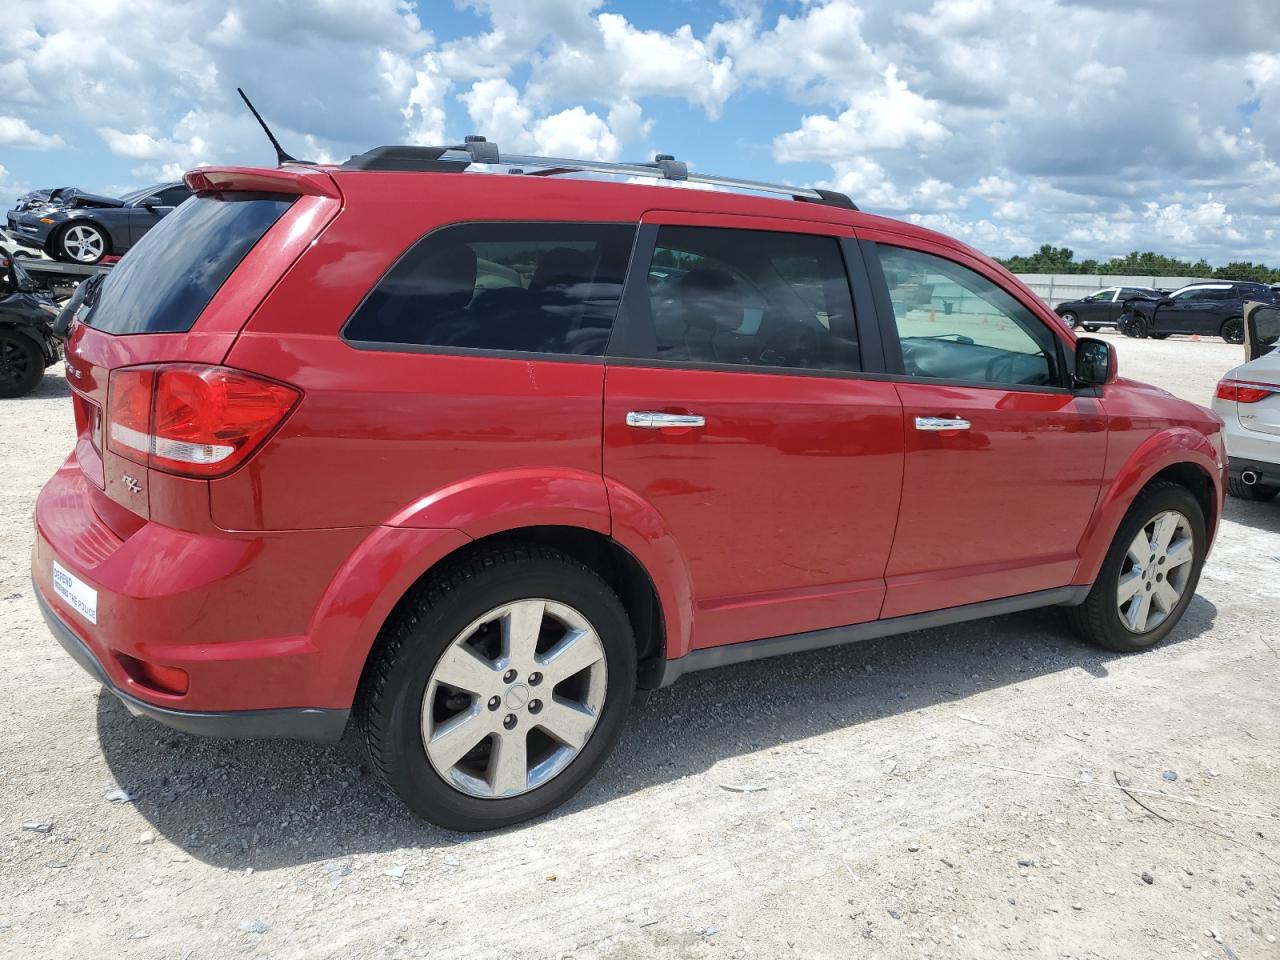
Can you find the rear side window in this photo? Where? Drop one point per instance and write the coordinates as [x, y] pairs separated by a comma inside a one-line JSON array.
[[170, 276], [521, 287], [751, 297]]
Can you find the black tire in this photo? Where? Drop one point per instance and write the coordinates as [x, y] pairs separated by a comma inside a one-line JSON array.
[[1091, 328], [21, 364], [1233, 330], [389, 702], [62, 247], [1251, 491], [1139, 328], [1071, 320], [1097, 620], [1160, 336]]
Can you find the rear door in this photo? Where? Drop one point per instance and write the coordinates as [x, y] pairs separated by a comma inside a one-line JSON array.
[[736, 407], [1003, 460]]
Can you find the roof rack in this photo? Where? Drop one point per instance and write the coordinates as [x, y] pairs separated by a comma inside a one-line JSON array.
[[664, 166]]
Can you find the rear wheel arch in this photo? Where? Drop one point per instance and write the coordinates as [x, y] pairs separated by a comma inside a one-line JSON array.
[[616, 565]]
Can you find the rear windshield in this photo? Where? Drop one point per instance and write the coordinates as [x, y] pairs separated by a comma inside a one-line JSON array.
[[173, 272]]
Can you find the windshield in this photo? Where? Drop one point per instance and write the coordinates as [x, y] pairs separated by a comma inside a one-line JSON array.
[[169, 277]]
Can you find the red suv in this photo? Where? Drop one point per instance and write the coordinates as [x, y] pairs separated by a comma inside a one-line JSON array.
[[467, 459]]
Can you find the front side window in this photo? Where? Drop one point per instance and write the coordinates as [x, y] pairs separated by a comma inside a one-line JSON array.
[[1102, 296], [753, 298], [955, 324], [523, 287]]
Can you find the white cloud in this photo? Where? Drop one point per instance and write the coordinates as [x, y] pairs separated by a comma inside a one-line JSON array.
[[891, 118], [16, 132], [495, 106]]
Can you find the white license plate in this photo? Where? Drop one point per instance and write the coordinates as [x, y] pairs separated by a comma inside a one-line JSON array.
[[81, 597]]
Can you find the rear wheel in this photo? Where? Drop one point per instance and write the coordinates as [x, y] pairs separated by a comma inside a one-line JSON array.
[[499, 688], [1149, 574], [1091, 328], [1233, 330], [1251, 491], [21, 364], [1160, 336]]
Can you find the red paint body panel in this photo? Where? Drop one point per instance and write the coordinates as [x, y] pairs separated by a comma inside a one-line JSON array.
[[806, 502], [783, 505], [996, 510]]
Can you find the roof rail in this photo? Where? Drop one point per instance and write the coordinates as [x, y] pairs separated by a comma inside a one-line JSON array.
[[664, 166]]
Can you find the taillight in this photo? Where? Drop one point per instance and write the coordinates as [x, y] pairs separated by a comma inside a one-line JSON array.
[[193, 420], [1242, 392]]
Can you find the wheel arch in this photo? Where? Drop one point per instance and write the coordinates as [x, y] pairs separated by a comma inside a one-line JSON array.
[[1182, 455]]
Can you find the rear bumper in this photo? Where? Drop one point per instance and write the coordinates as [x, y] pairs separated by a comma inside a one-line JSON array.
[[233, 611], [1267, 472], [302, 723]]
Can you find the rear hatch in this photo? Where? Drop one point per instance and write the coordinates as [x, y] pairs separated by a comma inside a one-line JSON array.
[[171, 310]]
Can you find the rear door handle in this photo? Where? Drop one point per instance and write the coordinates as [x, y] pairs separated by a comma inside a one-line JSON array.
[[942, 423], [651, 420]]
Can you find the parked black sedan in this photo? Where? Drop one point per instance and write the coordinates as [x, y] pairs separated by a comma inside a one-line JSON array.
[[1102, 309], [82, 227], [1211, 308]]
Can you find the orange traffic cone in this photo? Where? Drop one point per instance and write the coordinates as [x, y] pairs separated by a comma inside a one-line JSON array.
[[1195, 338]]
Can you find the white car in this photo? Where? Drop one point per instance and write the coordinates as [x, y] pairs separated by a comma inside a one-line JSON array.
[[1248, 400]]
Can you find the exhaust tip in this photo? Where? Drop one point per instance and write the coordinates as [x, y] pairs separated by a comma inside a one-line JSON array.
[[1249, 478]]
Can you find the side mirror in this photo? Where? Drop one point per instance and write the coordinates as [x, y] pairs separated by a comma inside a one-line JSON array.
[[152, 201], [1095, 362], [1261, 329]]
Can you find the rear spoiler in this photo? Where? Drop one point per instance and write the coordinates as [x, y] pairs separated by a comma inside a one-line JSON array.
[[301, 181]]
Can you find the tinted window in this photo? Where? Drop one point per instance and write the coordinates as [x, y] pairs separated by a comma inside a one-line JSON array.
[[172, 273], [529, 287], [751, 297], [174, 196], [955, 324]]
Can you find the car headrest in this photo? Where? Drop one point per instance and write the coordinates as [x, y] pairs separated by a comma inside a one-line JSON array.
[[448, 277], [560, 266], [710, 298]]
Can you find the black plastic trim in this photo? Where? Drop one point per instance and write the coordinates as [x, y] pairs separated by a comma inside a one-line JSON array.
[[711, 657], [298, 723]]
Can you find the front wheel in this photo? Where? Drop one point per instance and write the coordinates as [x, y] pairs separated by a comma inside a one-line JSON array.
[[499, 688], [1233, 330], [1071, 320], [21, 364], [81, 243], [1149, 574]]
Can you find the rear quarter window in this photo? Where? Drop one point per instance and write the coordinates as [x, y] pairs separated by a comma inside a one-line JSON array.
[[170, 276], [508, 287]]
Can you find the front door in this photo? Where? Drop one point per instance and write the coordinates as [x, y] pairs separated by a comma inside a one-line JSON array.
[[1004, 461], [736, 408]]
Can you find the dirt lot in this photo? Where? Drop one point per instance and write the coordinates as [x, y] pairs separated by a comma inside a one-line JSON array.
[[949, 793]]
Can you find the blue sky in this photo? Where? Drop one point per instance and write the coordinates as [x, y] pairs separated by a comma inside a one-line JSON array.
[[1101, 126]]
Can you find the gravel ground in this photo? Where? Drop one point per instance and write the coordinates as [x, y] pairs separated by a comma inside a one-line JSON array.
[[948, 793]]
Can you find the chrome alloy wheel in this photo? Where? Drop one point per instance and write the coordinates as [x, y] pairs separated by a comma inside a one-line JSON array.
[[83, 243], [514, 698], [1155, 571]]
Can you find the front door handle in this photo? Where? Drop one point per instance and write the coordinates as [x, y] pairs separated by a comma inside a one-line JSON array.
[[942, 423], [651, 420]]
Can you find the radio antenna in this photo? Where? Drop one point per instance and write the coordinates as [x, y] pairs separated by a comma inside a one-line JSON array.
[[281, 157]]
